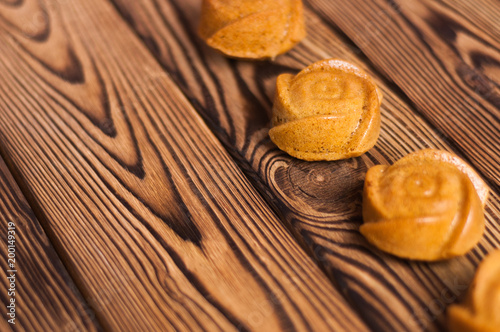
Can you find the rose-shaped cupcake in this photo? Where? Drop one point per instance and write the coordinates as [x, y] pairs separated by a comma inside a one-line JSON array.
[[252, 29], [328, 111], [427, 206], [481, 310]]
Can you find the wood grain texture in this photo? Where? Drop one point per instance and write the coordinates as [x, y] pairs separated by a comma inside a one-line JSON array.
[[447, 65], [46, 298], [482, 14], [321, 200], [155, 222]]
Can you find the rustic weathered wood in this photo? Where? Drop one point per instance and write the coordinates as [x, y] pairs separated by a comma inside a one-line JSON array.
[[444, 63], [5, 326], [45, 297], [157, 225], [320, 200], [482, 14]]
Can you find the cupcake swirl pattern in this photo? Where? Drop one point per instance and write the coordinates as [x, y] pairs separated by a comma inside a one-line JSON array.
[[253, 29], [426, 206], [328, 111]]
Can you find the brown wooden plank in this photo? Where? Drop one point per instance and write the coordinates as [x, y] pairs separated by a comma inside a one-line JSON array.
[[45, 297], [154, 220], [320, 200], [5, 326], [446, 65], [480, 14]]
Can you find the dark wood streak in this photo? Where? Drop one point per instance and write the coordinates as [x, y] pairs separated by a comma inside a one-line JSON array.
[[178, 216], [208, 99], [481, 15], [71, 69], [12, 3], [320, 201], [43, 32]]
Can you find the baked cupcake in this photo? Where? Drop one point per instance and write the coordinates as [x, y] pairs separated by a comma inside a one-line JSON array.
[[480, 311], [427, 206], [328, 111], [252, 29]]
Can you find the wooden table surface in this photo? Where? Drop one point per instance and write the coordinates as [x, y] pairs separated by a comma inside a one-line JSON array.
[[145, 194]]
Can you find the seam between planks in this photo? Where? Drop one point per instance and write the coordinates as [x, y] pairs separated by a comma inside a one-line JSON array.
[[40, 216]]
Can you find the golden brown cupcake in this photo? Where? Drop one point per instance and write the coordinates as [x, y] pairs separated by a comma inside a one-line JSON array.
[[328, 111], [252, 29], [481, 310], [427, 206]]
